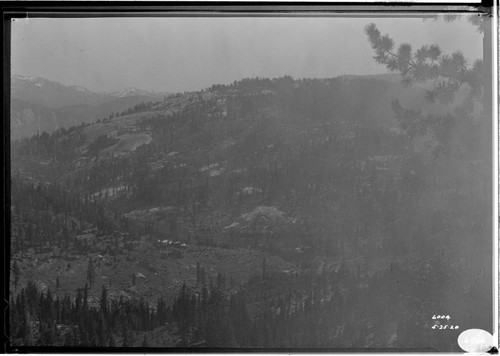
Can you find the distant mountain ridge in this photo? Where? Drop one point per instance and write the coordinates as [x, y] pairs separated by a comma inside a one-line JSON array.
[[53, 95], [39, 104], [133, 91]]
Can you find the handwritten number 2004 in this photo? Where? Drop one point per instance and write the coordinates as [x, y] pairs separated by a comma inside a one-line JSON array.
[[447, 317]]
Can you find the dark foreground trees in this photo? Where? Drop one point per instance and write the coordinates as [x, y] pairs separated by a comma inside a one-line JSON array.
[[391, 308]]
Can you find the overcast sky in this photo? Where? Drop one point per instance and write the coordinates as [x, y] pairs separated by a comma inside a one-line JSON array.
[[178, 54]]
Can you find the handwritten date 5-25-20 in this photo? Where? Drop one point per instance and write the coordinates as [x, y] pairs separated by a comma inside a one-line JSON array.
[[439, 326]]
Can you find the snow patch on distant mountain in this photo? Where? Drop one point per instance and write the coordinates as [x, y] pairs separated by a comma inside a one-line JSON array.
[[132, 91], [31, 78], [80, 88]]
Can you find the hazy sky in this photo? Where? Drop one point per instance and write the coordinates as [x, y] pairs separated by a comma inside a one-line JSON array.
[[177, 54]]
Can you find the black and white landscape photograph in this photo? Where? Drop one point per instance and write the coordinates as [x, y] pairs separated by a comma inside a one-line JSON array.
[[278, 181]]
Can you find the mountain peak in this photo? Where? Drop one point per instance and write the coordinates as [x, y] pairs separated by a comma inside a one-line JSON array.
[[130, 91], [135, 92], [80, 88], [53, 94]]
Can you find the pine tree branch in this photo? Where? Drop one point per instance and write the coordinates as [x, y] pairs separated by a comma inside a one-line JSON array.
[[410, 62]]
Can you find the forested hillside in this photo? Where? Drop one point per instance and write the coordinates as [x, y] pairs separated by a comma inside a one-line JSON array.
[[266, 213]]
